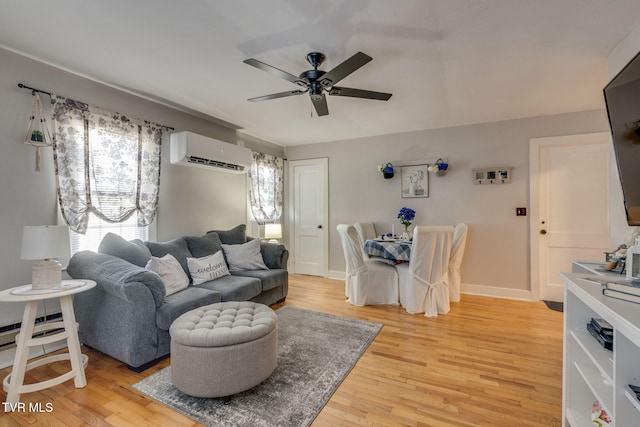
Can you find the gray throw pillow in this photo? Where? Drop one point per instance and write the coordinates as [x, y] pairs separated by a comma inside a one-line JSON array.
[[272, 254], [236, 236], [204, 245], [244, 257], [133, 251], [176, 247], [169, 270]]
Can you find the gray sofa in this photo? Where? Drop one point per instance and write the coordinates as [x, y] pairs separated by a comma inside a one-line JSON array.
[[128, 314]]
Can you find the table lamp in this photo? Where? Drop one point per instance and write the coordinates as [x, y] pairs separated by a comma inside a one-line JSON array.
[[273, 232], [43, 243]]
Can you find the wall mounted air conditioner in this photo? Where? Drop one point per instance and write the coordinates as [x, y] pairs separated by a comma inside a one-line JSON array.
[[191, 149]]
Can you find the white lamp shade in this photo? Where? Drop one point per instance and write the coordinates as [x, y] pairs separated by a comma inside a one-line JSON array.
[[273, 231], [45, 241]]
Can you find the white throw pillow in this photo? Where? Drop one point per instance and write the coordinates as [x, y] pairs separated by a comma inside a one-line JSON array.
[[207, 268], [244, 257], [170, 271]]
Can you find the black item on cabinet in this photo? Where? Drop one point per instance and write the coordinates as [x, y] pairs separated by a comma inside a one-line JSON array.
[[605, 340]]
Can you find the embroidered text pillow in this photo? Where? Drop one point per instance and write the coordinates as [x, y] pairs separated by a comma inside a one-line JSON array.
[[207, 268]]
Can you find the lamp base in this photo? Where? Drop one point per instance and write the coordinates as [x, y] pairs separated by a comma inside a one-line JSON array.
[[46, 274]]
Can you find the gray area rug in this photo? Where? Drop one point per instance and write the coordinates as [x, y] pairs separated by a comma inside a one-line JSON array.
[[554, 305], [316, 351]]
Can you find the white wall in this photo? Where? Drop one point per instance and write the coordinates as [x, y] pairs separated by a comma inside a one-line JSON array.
[[192, 201], [497, 255]]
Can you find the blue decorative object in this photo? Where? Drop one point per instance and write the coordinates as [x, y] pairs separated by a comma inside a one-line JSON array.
[[439, 167], [387, 170], [406, 215]]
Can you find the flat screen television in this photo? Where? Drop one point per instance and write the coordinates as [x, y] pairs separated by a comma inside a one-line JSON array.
[[622, 96]]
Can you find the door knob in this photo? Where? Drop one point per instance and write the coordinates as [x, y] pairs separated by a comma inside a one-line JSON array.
[[543, 231], [320, 226]]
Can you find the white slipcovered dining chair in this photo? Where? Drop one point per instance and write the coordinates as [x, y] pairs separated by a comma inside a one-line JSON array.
[[365, 230], [457, 252], [424, 281], [367, 282]]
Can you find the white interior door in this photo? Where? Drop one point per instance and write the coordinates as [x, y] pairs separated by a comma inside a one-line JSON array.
[[309, 216], [569, 207]]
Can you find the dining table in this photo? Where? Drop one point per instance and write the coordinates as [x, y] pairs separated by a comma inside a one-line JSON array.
[[398, 250]]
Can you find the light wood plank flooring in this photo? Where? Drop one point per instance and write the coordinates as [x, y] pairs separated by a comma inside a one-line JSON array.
[[488, 362]]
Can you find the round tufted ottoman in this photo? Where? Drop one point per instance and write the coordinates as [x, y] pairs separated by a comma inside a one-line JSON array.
[[224, 348]]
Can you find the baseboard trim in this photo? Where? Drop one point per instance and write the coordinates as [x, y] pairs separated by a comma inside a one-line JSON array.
[[467, 288], [336, 275], [497, 292]]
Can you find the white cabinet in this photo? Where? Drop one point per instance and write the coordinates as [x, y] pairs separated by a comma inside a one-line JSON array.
[[592, 373]]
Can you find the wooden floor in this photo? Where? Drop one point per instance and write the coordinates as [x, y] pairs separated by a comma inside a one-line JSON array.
[[488, 362]]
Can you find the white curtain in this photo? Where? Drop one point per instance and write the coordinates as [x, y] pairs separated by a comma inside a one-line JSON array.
[[106, 164], [266, 179]]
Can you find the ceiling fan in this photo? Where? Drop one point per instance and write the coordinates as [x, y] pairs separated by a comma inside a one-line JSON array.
[[317, 82]]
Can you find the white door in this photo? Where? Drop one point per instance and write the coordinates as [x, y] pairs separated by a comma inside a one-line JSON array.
[[569, 207], [309, 216]]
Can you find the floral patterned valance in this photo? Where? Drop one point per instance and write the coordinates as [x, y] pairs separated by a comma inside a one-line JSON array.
[[266, 179], [106, 164]]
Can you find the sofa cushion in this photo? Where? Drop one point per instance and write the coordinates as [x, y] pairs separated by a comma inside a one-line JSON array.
[[237, 235], [270, 278], [134, 251], [170, 271], [272, 254], [207, 268], [244, 257], [179, 303], [235, 288], [176, 247], [201, 246]]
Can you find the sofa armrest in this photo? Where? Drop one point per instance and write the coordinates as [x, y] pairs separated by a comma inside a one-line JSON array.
[[274, 255], [116, 276]]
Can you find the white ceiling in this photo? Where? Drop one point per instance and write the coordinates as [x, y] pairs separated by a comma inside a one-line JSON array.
[[447, 62]]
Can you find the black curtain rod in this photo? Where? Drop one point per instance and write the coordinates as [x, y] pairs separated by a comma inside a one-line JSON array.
[[34, 90]]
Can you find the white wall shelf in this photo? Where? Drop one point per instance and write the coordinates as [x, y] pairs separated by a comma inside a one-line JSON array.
[[592, 373]]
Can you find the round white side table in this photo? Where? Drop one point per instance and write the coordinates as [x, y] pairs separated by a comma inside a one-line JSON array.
[[13, 383]]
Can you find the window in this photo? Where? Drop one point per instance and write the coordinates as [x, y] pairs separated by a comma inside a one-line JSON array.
[[97, 228], [108, 172], [265, 190]]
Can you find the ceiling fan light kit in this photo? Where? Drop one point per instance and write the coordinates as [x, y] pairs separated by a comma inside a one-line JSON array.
[[318, 82]]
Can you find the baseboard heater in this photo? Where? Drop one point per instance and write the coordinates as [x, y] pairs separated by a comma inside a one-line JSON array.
[[8, 332]]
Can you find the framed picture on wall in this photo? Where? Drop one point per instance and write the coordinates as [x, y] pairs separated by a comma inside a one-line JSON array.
[[415, 181]]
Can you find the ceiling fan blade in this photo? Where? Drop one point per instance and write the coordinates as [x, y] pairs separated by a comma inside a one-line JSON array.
[[320, 104], [359, 93], [275, 71], [343, 70], [277, 95]]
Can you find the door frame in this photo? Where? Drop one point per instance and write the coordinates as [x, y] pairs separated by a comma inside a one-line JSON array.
[[324, 163], [535, 145]]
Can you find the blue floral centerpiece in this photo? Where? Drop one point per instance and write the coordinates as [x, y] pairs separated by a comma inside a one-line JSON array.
[[406, 215]]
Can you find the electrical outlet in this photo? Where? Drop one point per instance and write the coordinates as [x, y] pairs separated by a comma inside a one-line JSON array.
[[521, 211]]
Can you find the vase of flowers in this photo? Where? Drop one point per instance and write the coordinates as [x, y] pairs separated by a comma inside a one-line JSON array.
[[386, 170], [406, 215]]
